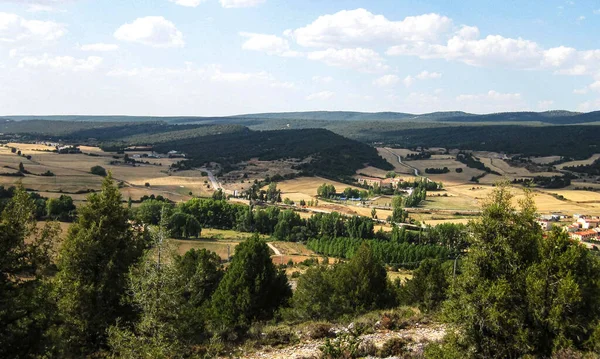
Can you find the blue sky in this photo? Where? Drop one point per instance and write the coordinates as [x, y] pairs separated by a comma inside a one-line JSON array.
[[220, 57]]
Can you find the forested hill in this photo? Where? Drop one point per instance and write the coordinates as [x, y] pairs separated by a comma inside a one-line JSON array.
[[548, 117], [332, 155]]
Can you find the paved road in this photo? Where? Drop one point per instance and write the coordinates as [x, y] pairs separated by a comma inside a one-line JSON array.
[[215, 183], [404, 163]]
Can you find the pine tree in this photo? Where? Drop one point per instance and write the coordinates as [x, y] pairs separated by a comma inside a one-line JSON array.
[[252, 289], [26, 310], [93, 265]]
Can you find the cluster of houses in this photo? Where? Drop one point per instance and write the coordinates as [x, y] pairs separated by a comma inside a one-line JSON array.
[[584, 228]]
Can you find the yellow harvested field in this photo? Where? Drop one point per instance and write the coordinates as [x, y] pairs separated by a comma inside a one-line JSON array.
[[308, 186], [220, 248], [72, 173], [400, 151], [577, 196], [296, 196], [291, 248], [372, 172], [589, 161], [509, 171]]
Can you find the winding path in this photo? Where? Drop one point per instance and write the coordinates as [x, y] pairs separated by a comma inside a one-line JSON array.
[[277, 252]]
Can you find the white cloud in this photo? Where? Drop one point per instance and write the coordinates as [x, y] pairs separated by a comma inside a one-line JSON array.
[[61, 63], [322, 79], [491, 101], [155, 31], [14, 28], [386, 80], [581, 18], [426, 75], [408, 81], [588, 106], [188, 3], [558, 56], [490, 95], [271, 44], [595, 86], [597, 11], [581, 91], [241, 3], [322, 96], [288, 85], [494, 50], [545, 105], [99, 47], [42, 8], [350, 28], [222, 76], [360, 59]]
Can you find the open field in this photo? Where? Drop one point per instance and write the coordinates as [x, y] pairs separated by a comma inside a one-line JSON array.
[[391, 155], [589, 161], [219, 247], [372, 172], [72, 173], [308, 185]]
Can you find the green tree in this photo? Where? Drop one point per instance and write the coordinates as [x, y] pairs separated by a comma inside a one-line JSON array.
[[62, 208], [428, 286], [326, 191], [399, 215], [183, 225], [151, 211], [348, 288], [98, 170], [520, 293], [26, 310], [155, 289], [93, 265], [252, 289]]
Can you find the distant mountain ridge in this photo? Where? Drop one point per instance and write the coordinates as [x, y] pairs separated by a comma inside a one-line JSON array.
[[548, 117]]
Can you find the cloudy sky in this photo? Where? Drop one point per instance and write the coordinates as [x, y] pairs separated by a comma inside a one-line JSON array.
[[220, 57]]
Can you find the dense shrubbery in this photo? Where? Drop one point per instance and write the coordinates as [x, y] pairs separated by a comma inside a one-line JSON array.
[[346, 288], [437, 170], [61, 208], [545, 182], [592, 169], [98, 170]]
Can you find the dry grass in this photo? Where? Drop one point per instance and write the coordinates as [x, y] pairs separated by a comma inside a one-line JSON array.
[[72, 173], [308, 186], [589, 161], [372, 172], [291, 248], [183, 246]]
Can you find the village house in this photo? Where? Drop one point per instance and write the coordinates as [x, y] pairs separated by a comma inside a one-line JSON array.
[[587, 222], [585, 235], [545, 224]]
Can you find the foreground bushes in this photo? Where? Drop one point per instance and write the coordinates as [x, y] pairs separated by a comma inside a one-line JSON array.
[[344, 289]]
